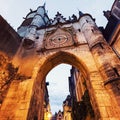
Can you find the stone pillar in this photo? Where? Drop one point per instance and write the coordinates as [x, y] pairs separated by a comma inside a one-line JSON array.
[[36, 109], [16, 103]]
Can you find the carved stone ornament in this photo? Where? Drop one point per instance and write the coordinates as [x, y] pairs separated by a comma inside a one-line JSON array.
[[58, 38]]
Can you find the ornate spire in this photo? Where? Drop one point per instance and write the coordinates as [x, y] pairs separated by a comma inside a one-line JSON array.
[[80, 13], [58, 19], [107, 14]]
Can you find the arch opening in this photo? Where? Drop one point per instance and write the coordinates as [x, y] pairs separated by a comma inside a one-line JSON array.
[[59, 58], [57, 87]]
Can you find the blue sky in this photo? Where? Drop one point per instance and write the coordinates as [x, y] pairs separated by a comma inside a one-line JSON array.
[[14, 11]]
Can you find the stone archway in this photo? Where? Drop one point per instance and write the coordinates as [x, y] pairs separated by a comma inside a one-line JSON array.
[[24, 99], [42, 68]]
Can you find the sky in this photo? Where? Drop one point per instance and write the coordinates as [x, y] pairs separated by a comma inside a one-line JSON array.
[[14, 11], [58, 86]]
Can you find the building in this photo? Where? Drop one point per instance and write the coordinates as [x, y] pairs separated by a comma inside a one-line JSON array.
[[112, 29], [71, 82], [67, 108], [8, 35], [80, 100], [47, 108], [76, 84], [40, 44], [59, 115]]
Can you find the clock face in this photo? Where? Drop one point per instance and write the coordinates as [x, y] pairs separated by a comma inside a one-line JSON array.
[[58, 39]]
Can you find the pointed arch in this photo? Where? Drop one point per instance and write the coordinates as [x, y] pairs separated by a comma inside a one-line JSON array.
[[45, 64]]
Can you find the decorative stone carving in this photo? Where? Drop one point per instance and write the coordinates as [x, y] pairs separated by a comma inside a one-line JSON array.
[[58, 38]]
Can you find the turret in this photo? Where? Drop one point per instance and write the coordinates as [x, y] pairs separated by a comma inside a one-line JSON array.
[[41, 18], [33, 20], [90, 30], [100, 49]]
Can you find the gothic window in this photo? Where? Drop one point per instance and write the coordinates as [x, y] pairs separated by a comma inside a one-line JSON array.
[[116, 71], [87, 21], [79, 30], [37, 37], [92, 30], [27, 22], [101, 45]]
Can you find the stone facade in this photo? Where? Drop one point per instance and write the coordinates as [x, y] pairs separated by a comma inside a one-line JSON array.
[[7, 36], [46, 43], [59, 115], [47, 109], [67, 109], [80, 100], [112, 30]]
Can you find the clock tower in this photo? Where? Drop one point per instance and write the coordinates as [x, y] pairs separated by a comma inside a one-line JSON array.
[[41, 43]]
